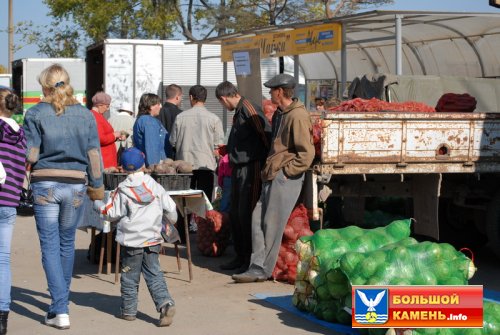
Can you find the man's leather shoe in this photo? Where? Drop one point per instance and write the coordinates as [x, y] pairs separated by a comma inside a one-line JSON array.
[[242, 269], [234, 264], [249, 277]]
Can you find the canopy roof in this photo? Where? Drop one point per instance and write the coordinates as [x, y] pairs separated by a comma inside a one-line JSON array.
[[432, 43]]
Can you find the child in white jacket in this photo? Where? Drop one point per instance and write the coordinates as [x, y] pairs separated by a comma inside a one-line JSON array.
[[139, 202]]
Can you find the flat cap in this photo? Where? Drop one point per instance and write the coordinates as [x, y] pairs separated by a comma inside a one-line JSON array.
[[281, 80], [101, 98]]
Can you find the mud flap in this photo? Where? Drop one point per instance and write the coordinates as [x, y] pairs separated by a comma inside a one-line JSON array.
[[426, 192]]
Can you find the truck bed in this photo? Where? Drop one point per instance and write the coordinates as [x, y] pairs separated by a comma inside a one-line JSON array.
[[389, 142]]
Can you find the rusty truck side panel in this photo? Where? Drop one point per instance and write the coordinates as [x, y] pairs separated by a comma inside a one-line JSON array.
[[386, 143]]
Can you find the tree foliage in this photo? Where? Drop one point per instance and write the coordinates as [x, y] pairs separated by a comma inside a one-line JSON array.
[[227, 16], [2, 69], [119, 18], [81, 22], [56, 40]]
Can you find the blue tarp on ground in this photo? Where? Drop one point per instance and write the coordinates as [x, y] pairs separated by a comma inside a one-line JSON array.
[[285, 302]]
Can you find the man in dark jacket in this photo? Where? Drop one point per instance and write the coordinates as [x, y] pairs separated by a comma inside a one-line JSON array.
[[291, 154], [248, 145], [170, 108]]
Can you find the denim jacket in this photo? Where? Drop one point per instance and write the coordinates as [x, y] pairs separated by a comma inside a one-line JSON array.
[[63, 146], [152, 139]]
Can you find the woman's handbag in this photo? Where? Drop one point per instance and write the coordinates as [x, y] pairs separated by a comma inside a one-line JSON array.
[[25, 207]]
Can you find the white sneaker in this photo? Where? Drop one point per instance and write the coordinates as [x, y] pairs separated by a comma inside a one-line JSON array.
[[59, 321]]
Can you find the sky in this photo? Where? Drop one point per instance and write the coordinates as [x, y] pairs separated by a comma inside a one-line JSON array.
[[36, 11]]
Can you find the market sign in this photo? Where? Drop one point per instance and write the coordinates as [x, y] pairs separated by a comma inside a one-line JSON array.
[[439, 306], [320, 38]]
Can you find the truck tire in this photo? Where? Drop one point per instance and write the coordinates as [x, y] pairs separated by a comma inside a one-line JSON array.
[[493, 224]]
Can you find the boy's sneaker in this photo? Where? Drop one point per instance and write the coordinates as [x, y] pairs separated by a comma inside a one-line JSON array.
[[59, 321], [166, 315], [127, 317]]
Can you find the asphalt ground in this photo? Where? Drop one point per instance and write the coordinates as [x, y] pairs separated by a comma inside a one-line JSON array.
[[211, 304]]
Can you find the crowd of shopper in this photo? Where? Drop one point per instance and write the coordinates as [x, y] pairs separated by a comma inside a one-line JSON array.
[[63, 149]]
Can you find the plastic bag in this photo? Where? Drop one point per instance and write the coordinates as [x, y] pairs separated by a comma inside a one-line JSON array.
[[168, 231]]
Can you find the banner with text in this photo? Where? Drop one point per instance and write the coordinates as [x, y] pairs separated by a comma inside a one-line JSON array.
[[319, 38], [417, 306]]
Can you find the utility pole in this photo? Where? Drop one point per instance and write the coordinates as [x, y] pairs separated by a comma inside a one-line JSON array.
[[11, 37]]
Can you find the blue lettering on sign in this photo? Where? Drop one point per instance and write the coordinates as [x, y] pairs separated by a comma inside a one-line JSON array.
[[303, 41], [325, 35]]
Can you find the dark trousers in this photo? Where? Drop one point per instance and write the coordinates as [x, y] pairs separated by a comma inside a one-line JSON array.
[[203, 180], [245, 192]]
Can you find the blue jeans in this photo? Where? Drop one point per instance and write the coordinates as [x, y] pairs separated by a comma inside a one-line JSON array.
[[7, 220], [145, 260], [57, 209]]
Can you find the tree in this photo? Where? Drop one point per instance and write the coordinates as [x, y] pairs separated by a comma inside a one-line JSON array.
[[81, 22], [228, 16], [2, 69], [56, 40], [119, 18], [335, 8]]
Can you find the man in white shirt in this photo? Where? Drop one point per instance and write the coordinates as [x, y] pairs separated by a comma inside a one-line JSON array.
[[196, 134]]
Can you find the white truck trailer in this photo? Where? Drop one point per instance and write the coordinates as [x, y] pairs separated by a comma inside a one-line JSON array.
[[125, 69], [25, 78], [6, 80]]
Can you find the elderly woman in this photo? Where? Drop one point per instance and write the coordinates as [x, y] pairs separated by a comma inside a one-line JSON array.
[[150, 136], [107, 135], [63, 150]]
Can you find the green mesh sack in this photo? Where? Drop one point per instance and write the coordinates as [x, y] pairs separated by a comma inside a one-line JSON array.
[[320, 252], [425, 263], [330, 244], [491, 324], [360, 265]]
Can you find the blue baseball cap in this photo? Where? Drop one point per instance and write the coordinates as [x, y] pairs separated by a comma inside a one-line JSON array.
[[132, 159]]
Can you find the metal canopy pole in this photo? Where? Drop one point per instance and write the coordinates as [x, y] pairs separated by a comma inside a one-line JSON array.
[[198, 65], [343, 61], [296, 71], [398, 28], [224, 109]]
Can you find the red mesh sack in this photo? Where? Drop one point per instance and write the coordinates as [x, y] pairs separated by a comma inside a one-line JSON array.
[[296, 227], [213, 233], [452, 102], [376, 105]]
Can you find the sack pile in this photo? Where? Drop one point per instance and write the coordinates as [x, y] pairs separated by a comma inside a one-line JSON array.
[[452, 102], [213, 233], [296, 227], [320, 253], [333, 260]]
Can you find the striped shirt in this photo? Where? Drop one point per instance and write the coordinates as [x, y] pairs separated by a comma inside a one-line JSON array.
[[13, 157]]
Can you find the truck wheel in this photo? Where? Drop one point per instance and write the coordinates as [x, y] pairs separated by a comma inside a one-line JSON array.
[[493, 224]]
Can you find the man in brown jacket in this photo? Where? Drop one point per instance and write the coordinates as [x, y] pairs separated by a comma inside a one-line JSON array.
[[291, 154]]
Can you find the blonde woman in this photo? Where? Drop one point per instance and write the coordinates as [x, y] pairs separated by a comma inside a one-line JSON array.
[[64, 152]]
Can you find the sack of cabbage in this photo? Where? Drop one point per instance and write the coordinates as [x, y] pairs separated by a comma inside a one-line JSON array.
[[321, 252], [390, 258]]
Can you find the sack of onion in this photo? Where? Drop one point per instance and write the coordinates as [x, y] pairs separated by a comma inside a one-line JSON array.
[[213, 233], [296, 227]]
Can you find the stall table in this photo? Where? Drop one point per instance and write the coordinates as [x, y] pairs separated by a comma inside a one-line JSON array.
[[190, 201]]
